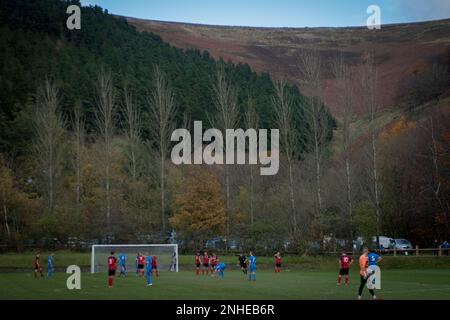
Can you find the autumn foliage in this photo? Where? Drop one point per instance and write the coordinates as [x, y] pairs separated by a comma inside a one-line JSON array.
[[199, 206]]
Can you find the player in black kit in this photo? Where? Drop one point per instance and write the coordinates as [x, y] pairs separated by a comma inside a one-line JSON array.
[[243, 263]]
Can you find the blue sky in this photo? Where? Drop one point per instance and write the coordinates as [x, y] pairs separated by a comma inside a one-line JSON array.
[[277, 13]]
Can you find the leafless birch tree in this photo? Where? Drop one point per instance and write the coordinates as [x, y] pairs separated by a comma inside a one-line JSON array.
[[105, 114], [162, 111], [49, 127], [133, 128], [283, 106], [252, 122], [369, 87], [79, 135], [225, 117], [343, 75], [310, 64]]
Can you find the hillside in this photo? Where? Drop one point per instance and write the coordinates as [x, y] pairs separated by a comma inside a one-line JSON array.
[[400, 49], [30, 30]]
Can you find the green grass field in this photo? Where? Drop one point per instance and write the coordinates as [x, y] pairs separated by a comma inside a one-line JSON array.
[[304, 278], [293, 285]]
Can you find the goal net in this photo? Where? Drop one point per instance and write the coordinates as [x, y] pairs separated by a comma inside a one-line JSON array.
[[166, 256]]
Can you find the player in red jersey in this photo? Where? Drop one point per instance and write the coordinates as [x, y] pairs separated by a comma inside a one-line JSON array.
[[141, 264], [205, 263], [112, 266], [197, 263], [278, 262], [213, 263], [154, 266], [37, 266], [344, 264]]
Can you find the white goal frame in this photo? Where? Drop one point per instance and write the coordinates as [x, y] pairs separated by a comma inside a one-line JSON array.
[[175, 246]]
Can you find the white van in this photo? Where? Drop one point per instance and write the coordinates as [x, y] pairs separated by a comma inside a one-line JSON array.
[[385, 242]]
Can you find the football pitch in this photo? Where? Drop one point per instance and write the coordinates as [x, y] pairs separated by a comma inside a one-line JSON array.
[[428, 284]]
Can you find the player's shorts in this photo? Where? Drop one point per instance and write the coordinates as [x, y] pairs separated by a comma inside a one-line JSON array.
[[111, 273], [344, 272], [197, 265], [278, 265], [243, 265], [213, 266], [140, 266], [252, 268], [206, 265], [155, 267]]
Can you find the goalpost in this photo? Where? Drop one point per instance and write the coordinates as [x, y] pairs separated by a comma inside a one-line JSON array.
[[166, 254]]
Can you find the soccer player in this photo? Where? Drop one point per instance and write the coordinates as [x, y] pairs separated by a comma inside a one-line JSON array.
[[344, 265], [112, 265], [363, 268], [252, 262], [154, 266], [50, 265], [141, 263], [214, 262], [148, 270], [373, 259], [136, 265], [205, 263], [219, 270], [278, 262], [123, 265], [37, 265], [197, 263], [173, 265], [243, 263]]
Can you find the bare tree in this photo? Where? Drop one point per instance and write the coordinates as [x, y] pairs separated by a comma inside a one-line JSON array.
[[436, 184], [283, 106], [79, 134], [369, 87], [49, 127], [162, 110], [133, 128], [252, 122], [343, 76], [316, 117], [105, 114], [225, 117]]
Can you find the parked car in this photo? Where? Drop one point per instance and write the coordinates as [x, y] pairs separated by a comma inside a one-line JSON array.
[[403, 245], [215, 243]]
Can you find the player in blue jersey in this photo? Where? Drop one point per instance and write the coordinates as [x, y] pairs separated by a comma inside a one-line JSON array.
[[123, 265], [252, 267], [148, 270], [219, 270], [50, 265], [373, 259]]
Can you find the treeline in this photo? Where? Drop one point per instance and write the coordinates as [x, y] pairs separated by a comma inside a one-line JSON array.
[[86, 118], [36, 43], [84, 147]]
